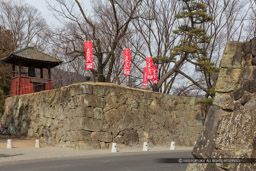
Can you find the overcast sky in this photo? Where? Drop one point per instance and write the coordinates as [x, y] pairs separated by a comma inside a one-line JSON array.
[[41, 5]]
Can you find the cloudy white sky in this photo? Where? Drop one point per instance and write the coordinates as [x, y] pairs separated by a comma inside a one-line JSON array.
[[41, 5]]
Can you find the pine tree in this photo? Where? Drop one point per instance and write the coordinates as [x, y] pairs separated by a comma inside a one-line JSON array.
[[194, 38], [2, 98], [6, 47]]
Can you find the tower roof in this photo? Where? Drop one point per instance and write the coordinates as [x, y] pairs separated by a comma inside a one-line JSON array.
[[32, 57]]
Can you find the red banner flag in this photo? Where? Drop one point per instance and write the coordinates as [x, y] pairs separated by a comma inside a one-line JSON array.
[[155, 81], [145, 77], [127, 61], [150, 74], [88, 55]]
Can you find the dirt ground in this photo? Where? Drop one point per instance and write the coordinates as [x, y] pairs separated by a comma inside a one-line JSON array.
[[20, 142], [24, 149]]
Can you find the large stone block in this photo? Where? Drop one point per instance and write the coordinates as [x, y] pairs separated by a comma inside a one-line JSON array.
[[101, 136], [111, 99], [95, 125], [232, 56], [99, 90], [248, 59], [98, 113], [228, 80], [110, 107], [254, 74], [77, 123], [247, 73], [128, 137], [253, 46], [249, 86], [206, 141], [113, 116], [79, 89], [155, 107], [132, 102], [253, 61], [95, 101], [79, 111], [247, 47], [86, 88], [246, 97], [238, 93]]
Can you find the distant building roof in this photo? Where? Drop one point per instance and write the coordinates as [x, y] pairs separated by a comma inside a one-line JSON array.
[[31, 57]]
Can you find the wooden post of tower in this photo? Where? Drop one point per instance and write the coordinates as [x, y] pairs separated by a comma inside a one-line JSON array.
[[49, 73], [13, 70], [41, 73]]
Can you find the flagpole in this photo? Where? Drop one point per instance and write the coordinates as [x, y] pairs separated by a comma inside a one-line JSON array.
[[129, 80], [130, 75]]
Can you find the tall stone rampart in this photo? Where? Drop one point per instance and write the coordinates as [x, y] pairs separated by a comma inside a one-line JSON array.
[[230, 127], [93, 115]]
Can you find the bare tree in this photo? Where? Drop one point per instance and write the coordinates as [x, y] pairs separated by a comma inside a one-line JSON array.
[[146, 27], [107, 29], [26, 24], [154, 36], [251, 29]]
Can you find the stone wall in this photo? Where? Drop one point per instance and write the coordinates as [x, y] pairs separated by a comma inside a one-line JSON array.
[[92, 115], [229, 130]]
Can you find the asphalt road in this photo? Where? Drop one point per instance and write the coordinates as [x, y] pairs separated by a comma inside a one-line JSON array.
[[142, 161]]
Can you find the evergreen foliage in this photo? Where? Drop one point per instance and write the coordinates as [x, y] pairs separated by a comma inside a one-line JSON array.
[[2, 99], [6, 47], [194, 38], [205, 101], [5, 77]]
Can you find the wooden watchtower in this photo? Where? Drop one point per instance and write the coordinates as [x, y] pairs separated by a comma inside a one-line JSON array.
[[31, 71]]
